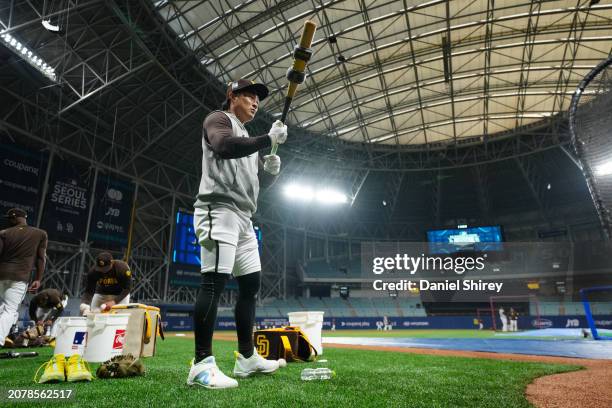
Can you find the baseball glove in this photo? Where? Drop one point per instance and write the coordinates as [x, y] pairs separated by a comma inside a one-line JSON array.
[[121, 366]]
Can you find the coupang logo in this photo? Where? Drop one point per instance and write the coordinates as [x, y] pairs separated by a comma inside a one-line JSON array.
[[21, 166]]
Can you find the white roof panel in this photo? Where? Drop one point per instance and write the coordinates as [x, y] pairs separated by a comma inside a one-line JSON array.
[[516, 68]]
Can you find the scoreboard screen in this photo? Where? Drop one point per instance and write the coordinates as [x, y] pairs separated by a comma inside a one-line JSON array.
[[186, 250], [480, 239]]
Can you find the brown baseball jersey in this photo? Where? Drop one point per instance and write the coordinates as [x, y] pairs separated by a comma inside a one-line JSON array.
[[19, 249], [46, 299], [117, 281]]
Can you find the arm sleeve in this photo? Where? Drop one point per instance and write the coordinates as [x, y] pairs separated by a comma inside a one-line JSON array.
[[218, 134], [90, 287]]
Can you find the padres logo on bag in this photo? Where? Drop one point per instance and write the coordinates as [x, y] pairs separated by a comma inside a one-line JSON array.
[[289, 343], [263, 345]]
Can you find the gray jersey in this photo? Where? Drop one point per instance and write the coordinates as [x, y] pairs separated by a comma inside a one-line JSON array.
[[229, 182]]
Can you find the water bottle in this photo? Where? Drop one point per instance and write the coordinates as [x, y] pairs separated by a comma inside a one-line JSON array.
[[309, 374]]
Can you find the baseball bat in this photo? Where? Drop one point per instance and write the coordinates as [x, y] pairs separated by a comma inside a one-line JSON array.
[[296, 73]]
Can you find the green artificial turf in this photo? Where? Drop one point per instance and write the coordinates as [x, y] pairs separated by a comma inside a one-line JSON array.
[[363, 379]]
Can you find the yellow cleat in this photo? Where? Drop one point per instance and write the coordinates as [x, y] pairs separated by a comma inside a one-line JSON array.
[[54, 370], [77, 369]]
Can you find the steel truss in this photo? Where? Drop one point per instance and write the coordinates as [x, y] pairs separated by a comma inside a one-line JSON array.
[[127, 91], [344, 155]]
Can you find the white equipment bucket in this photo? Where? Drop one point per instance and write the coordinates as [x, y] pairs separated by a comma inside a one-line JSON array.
[[311, 324], [70, 335], [105, 336]]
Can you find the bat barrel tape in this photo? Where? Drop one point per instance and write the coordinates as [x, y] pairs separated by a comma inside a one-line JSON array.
[[302, 53], [296, 73]]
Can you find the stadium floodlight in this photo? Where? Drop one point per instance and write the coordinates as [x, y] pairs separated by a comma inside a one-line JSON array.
[[297, 192], [308, 194], [47, 24], [328, 196], [604, 169], [28, 55]]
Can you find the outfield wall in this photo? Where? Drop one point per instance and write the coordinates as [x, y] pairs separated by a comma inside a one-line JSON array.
[[180, 322]]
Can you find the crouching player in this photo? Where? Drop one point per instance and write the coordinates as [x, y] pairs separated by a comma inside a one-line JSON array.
[[47, 306], [108, 283]]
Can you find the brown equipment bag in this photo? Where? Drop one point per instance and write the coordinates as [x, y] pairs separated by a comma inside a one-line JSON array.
[[287, 342], [144, 325]]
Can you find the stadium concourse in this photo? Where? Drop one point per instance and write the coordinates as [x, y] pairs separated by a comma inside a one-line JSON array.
[[424, 189]]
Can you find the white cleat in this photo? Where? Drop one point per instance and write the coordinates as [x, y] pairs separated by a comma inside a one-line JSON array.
[[206, 374], [245, 367]]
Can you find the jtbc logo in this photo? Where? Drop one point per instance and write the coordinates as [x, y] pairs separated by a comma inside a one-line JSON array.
[[113, 212]]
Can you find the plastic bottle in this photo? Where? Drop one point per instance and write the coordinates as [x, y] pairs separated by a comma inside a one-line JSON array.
[[309, 374]]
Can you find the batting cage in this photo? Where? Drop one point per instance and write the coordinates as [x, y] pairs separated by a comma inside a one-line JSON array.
[[506, 311]]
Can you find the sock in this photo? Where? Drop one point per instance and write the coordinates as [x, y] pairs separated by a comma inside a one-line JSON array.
[[248, 286], [205, 314]]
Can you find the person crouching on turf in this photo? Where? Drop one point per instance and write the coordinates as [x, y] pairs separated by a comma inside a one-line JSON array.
[[44, 310], [226, 200], [47, 306], [108, 283]]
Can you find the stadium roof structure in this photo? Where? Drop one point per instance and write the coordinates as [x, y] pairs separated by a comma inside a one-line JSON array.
[[403, 72], [467, 96], [424, 114]]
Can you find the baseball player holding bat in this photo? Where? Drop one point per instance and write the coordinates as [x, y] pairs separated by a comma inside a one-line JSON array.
[[226, 200]]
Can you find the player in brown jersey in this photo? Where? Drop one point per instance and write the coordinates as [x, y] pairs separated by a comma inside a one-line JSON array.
[[21, 248], [108, 283]]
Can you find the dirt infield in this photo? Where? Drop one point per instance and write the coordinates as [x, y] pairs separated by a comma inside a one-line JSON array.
[[579, 389]]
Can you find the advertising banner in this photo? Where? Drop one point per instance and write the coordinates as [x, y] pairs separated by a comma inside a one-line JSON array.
[[22, 174], [110, 219], [67, 202], [184, 321]]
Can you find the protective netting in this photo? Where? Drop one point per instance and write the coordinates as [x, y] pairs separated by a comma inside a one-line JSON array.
[[591, 127]]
